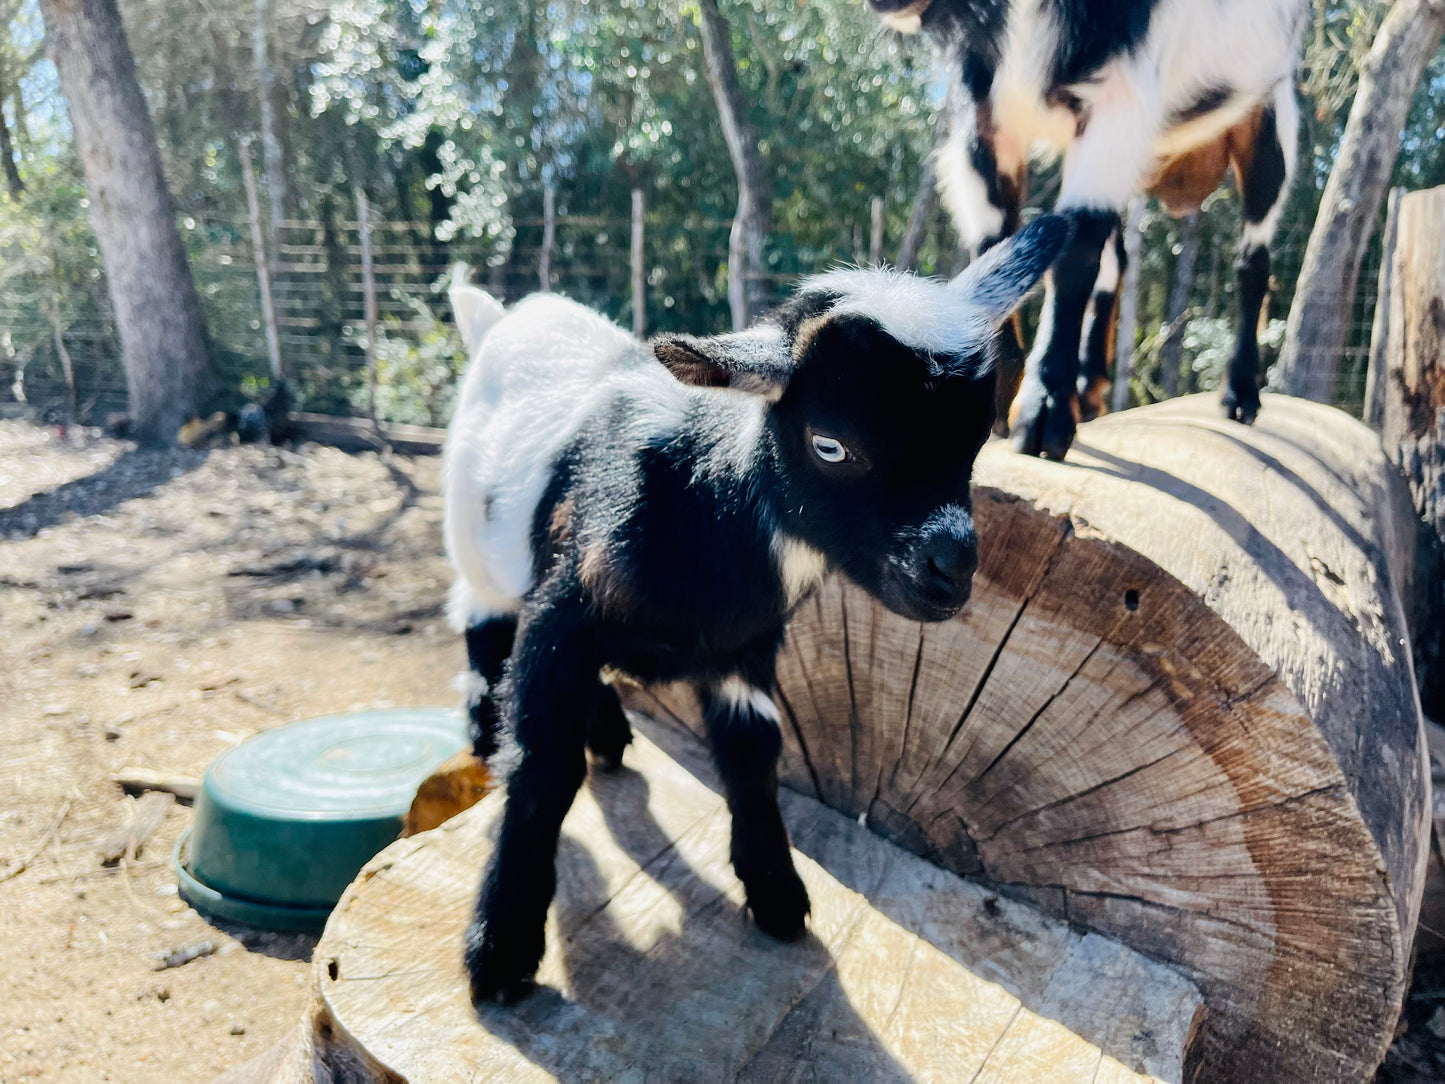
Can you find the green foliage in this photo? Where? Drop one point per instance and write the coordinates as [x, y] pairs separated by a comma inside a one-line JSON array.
[[416, 371], [454, 115]]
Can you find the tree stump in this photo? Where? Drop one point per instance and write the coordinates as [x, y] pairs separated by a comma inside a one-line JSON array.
[[652, 972], [1179, 710], [1407, 372]]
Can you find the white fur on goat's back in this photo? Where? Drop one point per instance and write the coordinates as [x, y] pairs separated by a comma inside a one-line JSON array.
[[536, 378]]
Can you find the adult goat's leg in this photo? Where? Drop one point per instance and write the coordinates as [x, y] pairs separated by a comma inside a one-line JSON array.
[[547, 696], [1104, 166], [1100, 327], [981, 182], [742, 727], [1263, 153]]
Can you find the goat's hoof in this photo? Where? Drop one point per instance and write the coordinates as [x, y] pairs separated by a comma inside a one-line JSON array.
[[1240, 404], [781, 908], [497, 974], [1041, 423]]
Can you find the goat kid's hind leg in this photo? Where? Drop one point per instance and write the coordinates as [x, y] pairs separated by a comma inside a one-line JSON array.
[[489, 644], [1264, 167], [1045, 415], [742, 727], [608, 731], [547, 696]]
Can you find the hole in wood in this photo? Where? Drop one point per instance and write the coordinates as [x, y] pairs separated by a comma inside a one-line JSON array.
[[1131, 600], [333, 969]]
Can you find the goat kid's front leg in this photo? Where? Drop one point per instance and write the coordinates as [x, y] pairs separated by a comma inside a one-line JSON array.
[[742, 727], [547, 697]]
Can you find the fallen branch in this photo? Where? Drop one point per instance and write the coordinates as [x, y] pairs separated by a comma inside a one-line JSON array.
[[139, 780], [16, 871]]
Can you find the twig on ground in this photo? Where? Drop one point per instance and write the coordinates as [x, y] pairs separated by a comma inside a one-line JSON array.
[[16, 871]]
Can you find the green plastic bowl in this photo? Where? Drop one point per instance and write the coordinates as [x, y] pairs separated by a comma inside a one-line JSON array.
[[283, 822]]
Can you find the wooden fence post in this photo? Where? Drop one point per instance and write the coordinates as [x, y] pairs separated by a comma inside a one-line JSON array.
[[368, 286], [875, 233], [639, 270], [549, 235], [258, 253]]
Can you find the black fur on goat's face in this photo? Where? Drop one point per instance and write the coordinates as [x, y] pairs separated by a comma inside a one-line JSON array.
[[876, 450]]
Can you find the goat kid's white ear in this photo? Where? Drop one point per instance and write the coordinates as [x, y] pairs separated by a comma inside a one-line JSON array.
[[1000, 279], [755, 361]]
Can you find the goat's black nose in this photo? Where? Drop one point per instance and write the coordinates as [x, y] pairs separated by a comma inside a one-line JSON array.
[[950, 563]]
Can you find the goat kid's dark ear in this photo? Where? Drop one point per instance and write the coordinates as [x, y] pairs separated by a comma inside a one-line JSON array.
[[755, 361], [1000, 279]]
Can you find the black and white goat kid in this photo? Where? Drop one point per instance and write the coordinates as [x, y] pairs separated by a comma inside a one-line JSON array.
[[1135, 95], [660, 508]]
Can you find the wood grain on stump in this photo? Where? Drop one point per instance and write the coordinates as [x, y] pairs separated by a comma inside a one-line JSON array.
[[1179, 710], [653, 973]]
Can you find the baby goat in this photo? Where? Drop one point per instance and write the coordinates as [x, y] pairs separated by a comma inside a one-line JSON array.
[[660, 508], [1155, 95]]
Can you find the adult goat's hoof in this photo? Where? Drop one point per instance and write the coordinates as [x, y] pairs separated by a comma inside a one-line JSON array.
[[780, 906], [499, 971], [1041, 423], [1241, 403]]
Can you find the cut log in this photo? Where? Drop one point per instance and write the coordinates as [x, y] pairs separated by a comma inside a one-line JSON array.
[[653, 973], [1179, 710], [1409, 370]]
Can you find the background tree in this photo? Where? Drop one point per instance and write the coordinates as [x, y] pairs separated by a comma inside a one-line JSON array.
[[1350, 208], [158, 313]]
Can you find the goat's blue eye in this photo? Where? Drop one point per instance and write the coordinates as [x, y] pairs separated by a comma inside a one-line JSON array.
[[829, 450]]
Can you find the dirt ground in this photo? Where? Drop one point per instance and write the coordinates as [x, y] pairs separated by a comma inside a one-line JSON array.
[[157, 608]]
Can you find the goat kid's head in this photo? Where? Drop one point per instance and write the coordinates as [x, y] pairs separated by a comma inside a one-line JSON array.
[[879, 392]]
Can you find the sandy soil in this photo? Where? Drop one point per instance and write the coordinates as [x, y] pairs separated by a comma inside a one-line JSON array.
[[156, 608]]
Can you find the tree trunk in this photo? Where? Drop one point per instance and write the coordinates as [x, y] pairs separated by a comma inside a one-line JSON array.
[[272, 169], [157, 310], [1409, 344], [13, 184], [908, 973], [923, 201], [748, 291], [1176, 711], [1170, 352], [1319, 320], [1125, 332]]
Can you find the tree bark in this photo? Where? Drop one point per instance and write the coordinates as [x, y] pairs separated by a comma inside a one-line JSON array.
[[1410, 344], [1169, 353], [13, 184], [1128, 303], [158, 312], [272, 168], [748, 291], [1319, 320]]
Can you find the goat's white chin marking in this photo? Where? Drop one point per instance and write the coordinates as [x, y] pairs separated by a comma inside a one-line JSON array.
[[800, 567], [906, 20]]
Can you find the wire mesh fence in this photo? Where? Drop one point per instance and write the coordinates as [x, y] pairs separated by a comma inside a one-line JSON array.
[[320, 306]]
